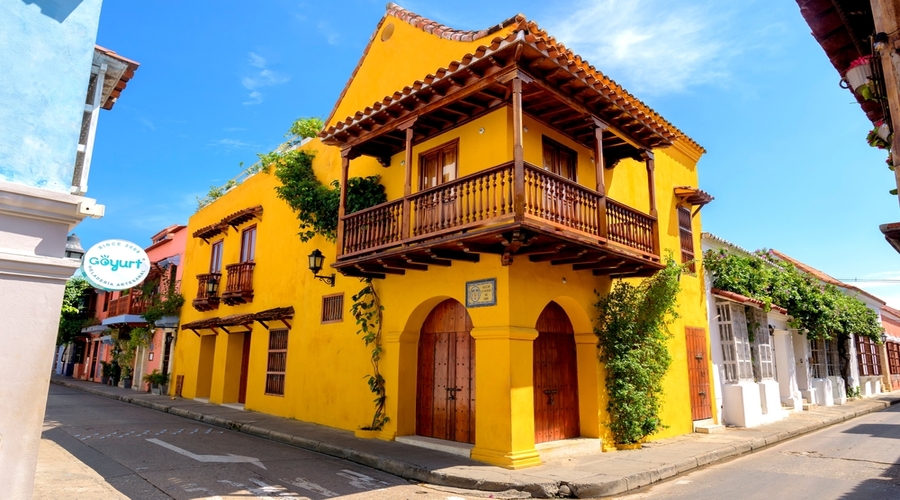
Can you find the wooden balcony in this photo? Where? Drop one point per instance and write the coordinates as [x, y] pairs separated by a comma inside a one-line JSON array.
[[239, 284], [131, 304], [206, 301], [558, 221]]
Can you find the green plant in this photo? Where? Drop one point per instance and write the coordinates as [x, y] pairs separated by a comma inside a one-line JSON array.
[[156, 378], [106, 369], [214, 193], [304, 128], [159, 301], [632, 333], [853, 392], [73, 315], [315, 204], [368, 311]]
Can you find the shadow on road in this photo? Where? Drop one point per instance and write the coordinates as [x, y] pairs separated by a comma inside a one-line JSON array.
[[886, 485]]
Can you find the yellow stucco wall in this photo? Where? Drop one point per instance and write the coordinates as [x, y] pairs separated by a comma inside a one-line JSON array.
[[326, 364]]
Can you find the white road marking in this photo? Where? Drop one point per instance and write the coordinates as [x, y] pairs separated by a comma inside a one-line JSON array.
[[265, 490], [193, 488], [209, 458], [308, 486], [360, 481]]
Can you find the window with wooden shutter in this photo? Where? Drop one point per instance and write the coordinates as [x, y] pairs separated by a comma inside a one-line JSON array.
[[817, 358], [333, 308], [687, 237], [277, 362], [438, 165], [893, 350], [735, 342], [248, 244], [215, 257], [867, 355], [559, 159]]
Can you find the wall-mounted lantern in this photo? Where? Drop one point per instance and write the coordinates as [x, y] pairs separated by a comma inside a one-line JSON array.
[[316, 261]]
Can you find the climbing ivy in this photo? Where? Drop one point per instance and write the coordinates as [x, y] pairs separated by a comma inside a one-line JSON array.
[[316, 204], [822, 310], [368, 311], [632, 332]]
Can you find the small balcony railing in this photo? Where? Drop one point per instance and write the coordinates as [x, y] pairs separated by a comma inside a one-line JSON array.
[[488, 198], [131, 304], [239, 284], [207, 300]]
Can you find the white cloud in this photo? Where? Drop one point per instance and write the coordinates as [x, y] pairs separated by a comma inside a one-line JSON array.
[[231, 144], [259, 78], [255, 98], [331, 35], [650, 46]]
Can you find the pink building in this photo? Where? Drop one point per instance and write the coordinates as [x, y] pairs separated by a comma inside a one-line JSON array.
[[122, 311]]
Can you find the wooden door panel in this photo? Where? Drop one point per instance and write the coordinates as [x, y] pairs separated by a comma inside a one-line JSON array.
[[556, 414], [698, 373], [445, 391]]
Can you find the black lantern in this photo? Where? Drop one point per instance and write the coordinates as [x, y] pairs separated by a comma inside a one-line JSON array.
[[212, 286], [73, 247], [316, 261], [883, 338]]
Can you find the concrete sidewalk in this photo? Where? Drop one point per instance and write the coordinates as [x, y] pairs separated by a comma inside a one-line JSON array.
[[593, 475]]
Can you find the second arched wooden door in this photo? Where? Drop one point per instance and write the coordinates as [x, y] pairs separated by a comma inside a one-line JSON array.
[[555, 377]]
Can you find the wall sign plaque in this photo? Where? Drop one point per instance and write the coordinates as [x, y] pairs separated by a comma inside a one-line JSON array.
[[481, 293]]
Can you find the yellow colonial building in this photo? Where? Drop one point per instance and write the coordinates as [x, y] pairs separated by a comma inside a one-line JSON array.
[[520, 180]]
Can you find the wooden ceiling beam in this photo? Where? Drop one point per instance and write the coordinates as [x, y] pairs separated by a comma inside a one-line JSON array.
[[427, 259], [454, 255], [544, 257], [586, 258], [402, 264], [379, 269]]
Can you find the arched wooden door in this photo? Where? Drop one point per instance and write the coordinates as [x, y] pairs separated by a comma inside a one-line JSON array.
[[445, 391], [555, 377]]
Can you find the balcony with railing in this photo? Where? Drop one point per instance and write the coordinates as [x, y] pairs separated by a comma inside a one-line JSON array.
[[239, 283], [132, 304], [559, 221], [207, 297]]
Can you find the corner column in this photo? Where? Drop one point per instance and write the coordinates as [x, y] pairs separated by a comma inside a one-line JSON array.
[[346, 155], [591, 381], [518, 151], [600, 167], [504, 421], [886, 385], [647, 156], [407, 186]]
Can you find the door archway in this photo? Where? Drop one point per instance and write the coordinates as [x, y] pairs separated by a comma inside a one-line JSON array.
[[445, 390], [556, 414]]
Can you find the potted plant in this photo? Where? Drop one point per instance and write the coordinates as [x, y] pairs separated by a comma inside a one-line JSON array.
[[156, 380], [879, 137], [859, 74], [126, 376], [106, 371]]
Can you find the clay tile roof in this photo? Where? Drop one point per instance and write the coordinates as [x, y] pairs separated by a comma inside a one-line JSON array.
[[745, 300], [201, 324], [211, 230], [128, 74], [693, 196], [275, 314], [236, 320], [446, 32], [822, 276], [891, 310], [526, 32], [241, 216]]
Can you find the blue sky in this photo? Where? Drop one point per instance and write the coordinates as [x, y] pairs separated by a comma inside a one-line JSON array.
[[787, 158]]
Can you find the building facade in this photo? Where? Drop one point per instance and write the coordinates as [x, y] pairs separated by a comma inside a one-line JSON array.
[[519, 180], [49, 60]]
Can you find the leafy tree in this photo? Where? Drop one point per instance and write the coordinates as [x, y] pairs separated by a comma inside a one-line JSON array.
[[73, 314]]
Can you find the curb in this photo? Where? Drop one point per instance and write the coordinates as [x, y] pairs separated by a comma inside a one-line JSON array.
[[415, 472]]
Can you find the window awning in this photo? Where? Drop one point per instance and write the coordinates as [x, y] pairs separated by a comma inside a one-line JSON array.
[[692, 197]]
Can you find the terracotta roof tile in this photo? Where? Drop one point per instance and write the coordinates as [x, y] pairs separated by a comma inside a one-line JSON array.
[[127, 75], [745, 300], [822, 276], [534, 35]]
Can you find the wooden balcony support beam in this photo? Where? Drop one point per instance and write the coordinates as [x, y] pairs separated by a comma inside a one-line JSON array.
[[356, 273], [549, 248], [603, 263], [587, 257], [379, 269], [545, 257], [402, 264], [454, 255], [428, 260]]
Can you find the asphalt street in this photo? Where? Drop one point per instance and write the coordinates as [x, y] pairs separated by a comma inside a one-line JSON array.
[[855, 460], [147, 454]]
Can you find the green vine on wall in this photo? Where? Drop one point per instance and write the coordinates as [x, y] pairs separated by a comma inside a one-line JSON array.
[[368, 311], [821, 309], [632, 332]]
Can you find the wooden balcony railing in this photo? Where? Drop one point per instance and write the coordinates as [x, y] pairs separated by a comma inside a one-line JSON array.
[[132, 304], [206, 301], [487, 197], [239, 284]]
